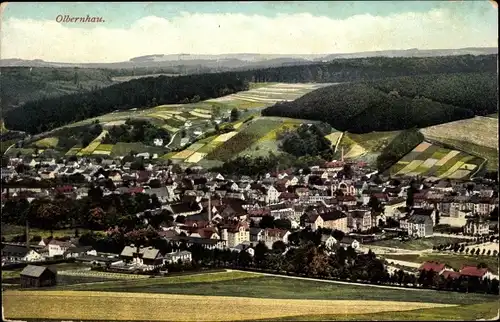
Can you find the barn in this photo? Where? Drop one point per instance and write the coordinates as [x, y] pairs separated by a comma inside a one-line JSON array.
[[38, 276]]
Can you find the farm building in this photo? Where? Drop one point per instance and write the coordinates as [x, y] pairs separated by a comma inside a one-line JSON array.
[[38, 276]]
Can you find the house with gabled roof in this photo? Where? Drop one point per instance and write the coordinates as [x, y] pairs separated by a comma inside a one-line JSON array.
[[38, 276]]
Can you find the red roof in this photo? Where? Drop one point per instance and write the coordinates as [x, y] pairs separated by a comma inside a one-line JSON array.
[[473, 271], [275, 232], [288, 195], [451, 274], [64, 189], [135, 190], [432, 266], [336, 164]]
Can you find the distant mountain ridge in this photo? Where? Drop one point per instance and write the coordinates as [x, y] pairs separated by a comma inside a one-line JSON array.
[[245, 60]]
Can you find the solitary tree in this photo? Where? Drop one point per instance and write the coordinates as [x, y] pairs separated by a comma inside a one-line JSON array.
[[235, 114]]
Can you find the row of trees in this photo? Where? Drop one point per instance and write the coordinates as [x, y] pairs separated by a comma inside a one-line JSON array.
[[136, 131], [306, 141], [95, 212]]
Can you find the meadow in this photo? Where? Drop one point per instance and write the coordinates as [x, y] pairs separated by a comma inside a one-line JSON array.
[[453, 260], [479, 130], [415, 244], [223, 296]]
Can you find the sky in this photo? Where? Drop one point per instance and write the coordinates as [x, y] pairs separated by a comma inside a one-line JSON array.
[[31, 30]]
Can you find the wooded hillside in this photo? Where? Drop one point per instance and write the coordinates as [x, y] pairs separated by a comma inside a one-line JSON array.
[[397, 103]]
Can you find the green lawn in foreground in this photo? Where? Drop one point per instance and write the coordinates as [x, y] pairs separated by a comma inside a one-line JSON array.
[[455, 261], [417, 244], [461, 313], [242, 284]]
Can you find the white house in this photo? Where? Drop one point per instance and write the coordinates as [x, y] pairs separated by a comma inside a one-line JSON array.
[[158, 142], [184, 256], [58, 248], [18, 253]]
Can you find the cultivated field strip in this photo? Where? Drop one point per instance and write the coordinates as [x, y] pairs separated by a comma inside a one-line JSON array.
[[88, 305], [430, 160]]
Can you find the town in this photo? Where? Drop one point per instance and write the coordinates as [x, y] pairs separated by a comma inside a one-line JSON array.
[[165, 219]]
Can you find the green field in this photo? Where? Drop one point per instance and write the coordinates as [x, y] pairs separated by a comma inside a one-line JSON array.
[[122, 148], [250, 134], [455, 261], [472, 312], [50, 142], [416, 244], [243, 284], [242, 296], [374, 141]]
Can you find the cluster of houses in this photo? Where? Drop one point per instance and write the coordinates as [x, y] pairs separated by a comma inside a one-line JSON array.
[[216, 211], [448, 272]]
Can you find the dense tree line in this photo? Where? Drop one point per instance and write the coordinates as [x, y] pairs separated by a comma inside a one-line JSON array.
[[259, 166], [402, 144], [414, 101], [46, 114], [477, 92], [95, 212], [135, 131], [347, 70], [306, 141]]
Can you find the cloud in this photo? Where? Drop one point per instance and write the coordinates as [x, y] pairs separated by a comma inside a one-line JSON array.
[[239, 33]]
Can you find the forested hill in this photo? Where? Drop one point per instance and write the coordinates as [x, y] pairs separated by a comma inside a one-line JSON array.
[[396, 103], [346, 70], [46, 114]]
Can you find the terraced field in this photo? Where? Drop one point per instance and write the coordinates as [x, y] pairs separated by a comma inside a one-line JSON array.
[[266, 95], [430, 160], [231, 296], [477, 136]]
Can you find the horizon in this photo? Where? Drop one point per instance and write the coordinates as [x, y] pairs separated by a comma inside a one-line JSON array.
[[31, 32]]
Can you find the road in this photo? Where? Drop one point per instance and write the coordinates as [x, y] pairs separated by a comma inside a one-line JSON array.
[[335, 282]]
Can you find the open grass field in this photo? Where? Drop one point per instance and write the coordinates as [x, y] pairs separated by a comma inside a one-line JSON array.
[[479, 130], [374, 141], [141, 306], [253, 285], [430, 160], [455, 261], [225, 296], [472, 312], [247, 136], [416, 244], [50, 142]]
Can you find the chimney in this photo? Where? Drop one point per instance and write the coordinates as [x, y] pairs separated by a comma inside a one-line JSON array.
[[209, 208], [342, 158], [27, 236]]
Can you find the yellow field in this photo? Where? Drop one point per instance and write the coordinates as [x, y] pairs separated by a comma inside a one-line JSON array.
[[226, 136], [355, 151], [161, 307], [50, 142], [161, 115], [183, 154], [170, 128], [89, 148], [333, 137], [479, 130]]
